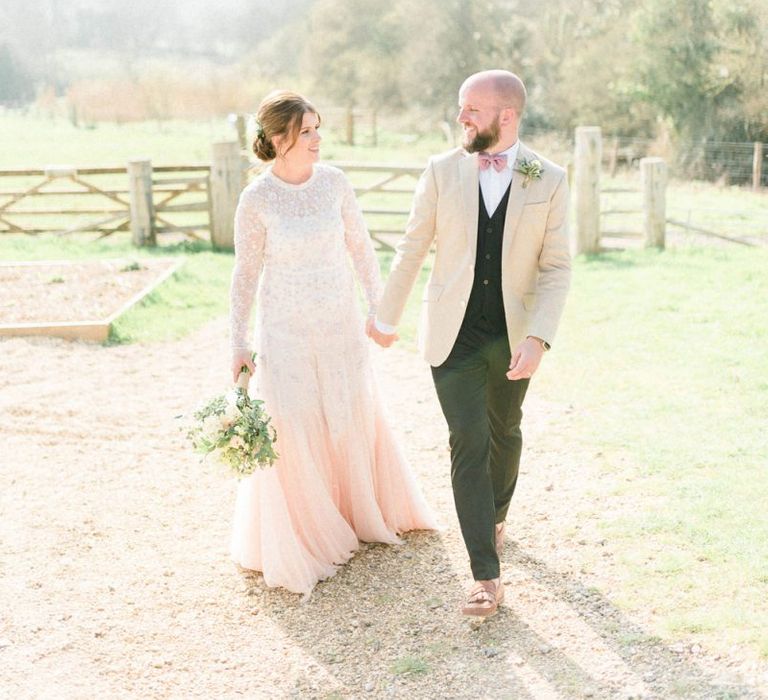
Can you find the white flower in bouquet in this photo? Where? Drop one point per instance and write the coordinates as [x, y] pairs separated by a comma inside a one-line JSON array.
[[236, 430], [211, 426], [229, 417]]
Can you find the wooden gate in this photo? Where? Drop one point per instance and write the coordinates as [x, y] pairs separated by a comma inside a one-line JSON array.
[[192, 201], [98, 200]]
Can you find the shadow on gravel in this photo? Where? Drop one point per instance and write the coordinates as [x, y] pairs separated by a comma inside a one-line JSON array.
[[385, 625], [665, 672], [388, 626]]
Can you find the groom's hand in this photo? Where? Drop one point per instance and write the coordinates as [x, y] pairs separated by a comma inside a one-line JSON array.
[[525, 359], [383, 339]]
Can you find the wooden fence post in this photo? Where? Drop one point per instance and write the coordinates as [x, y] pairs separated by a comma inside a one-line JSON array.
[[142, 207], [238, 121], [447, 130], [587, 160], [350, 126], [653, 175], [757, 166], [226, 184], [614, 158]]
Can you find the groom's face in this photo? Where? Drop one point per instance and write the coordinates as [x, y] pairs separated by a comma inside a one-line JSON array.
[[479, 116], [476, 139]]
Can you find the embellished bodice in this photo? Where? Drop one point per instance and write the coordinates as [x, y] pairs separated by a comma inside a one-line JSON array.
[[294, 244]]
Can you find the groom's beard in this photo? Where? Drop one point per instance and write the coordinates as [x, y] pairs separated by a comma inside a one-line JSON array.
[[483, 140]]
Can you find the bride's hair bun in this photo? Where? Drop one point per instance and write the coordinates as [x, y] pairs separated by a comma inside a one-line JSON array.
[[262, 147]]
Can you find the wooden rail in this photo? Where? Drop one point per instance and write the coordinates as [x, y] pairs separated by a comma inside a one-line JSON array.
[[712, 234], [392, 184], [100, 200]]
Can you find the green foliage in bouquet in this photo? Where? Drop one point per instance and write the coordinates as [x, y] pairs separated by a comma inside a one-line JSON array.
[[236, 430]]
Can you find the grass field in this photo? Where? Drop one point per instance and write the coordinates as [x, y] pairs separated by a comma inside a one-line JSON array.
[[34, 140], [661, 354]]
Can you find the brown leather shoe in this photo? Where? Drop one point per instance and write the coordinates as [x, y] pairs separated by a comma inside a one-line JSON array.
[[484, 598], [499, 538]]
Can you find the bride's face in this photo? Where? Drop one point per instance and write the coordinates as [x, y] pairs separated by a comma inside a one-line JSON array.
[[306, 150]]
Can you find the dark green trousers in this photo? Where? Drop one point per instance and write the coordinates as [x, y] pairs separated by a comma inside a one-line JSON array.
[[483, 410]]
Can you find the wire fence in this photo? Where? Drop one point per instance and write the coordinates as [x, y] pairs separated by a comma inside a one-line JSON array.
[[722, 162]]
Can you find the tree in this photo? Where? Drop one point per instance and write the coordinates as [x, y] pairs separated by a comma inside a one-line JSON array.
[[16, 86], [353, 52], [742, 70], [705, 68], [583, 65], [678, 41], [448, 40]]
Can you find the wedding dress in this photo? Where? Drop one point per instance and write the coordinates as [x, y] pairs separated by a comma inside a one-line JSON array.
[[340, 476]]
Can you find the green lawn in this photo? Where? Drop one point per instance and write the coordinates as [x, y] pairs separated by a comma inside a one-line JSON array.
[[34, 141], [735, 212], [662, 356]]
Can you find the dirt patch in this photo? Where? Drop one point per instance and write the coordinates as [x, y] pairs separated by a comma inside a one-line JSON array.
[[49, 292]]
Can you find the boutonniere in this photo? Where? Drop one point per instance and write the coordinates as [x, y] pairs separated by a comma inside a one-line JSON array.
[[531, 169]]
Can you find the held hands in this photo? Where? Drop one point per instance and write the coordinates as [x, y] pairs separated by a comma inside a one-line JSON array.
[[525, 359], [383, 339], [240, 357]]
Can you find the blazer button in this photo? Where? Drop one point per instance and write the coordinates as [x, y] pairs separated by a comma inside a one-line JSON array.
[[462, 303]]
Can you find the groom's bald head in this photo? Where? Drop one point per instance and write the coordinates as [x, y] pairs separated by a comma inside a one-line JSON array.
[[508, 89]]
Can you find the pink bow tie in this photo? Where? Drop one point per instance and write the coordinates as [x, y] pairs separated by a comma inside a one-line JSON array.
[[498, 160]]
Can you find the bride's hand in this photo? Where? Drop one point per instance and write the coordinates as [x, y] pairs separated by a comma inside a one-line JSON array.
[[240, 357]]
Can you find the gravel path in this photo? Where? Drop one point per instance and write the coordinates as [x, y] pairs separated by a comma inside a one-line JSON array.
[[115, 579]]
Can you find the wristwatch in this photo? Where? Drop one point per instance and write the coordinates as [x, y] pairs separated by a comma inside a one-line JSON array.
[[544, 343]]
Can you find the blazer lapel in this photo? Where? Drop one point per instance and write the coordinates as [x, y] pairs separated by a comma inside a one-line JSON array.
[[517, 198], [470, 199]]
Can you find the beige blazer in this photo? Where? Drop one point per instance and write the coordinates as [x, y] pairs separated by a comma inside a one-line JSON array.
[[535, 267]]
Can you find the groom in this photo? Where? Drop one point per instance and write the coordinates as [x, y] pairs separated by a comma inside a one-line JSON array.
[[497, 213]]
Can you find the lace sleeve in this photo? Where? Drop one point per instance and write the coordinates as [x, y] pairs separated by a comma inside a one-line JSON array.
[[358, 242], [250, 235]]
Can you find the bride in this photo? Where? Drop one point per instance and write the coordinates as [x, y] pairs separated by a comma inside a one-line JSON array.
[[340, 476]]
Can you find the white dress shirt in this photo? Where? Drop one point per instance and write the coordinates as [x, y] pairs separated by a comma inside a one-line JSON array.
[[493, 185]]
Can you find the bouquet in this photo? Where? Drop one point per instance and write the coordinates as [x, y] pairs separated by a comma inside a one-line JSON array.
[[235, 429]]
